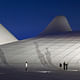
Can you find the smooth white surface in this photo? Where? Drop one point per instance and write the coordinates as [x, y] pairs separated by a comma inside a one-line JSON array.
[[6, 36], [44, 53], [58, 24]]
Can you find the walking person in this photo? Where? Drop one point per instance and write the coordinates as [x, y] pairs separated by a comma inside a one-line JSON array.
[[64, 65], [26, 66], [60, 65]]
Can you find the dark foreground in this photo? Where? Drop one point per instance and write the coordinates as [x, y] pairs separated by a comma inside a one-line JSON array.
[[56, 75]]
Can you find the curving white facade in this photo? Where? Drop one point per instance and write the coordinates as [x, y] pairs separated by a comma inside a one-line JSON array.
[[43, 53]]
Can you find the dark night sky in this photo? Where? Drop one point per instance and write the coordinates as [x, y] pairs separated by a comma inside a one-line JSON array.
[[28, 18]]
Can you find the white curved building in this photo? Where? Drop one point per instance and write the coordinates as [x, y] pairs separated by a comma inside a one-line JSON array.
[[45, 52]]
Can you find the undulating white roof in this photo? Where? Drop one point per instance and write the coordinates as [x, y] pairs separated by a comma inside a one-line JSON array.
[[6, 36]]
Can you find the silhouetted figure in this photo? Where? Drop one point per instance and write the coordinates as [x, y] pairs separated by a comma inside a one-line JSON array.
[[64, 65], [26, 66], [60, 65]]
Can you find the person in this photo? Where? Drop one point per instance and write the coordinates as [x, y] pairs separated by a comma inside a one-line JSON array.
[[26, 66], [60, 65], [64, 65]]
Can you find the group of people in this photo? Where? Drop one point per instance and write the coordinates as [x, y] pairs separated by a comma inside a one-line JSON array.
[[63, 65]]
